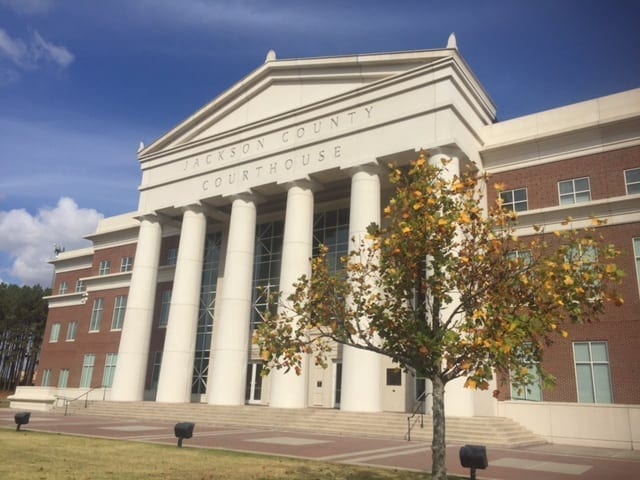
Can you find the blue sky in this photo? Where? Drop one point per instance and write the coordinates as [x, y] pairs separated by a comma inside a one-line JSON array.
[[82, 82]]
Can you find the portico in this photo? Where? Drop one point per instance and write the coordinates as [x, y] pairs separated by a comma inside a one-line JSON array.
[[303, 169]]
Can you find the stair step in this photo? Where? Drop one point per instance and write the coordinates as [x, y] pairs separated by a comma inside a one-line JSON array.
[[495, 431]]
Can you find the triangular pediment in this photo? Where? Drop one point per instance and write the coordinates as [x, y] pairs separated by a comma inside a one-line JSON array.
[[283, 87]]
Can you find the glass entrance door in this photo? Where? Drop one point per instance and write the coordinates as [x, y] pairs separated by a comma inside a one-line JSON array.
[[254, 383]]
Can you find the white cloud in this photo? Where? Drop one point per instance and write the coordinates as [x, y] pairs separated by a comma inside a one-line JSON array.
[[28, 240], [30, 54], [41, 49]]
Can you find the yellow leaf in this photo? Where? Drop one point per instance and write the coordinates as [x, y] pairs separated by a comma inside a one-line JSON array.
[[564, 333], [465, 218], [611, 268], [471, 384], [499, 186], [568, 280], [406, 230], [443, 221]]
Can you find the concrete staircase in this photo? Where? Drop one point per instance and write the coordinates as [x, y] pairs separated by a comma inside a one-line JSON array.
[[493, 431]]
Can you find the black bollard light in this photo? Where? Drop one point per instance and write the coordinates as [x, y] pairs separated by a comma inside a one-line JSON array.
[[22, 418], [473, 457], [184, 430]]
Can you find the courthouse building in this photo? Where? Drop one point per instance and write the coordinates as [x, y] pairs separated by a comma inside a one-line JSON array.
[[238, 196]]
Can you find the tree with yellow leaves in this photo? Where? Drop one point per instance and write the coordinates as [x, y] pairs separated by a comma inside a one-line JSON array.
[[447, 290]]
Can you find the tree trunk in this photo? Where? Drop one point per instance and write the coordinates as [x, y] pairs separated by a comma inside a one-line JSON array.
[[438, 444]]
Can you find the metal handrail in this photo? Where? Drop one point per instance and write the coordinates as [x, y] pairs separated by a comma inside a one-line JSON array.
[[418, 408], [69, 401]]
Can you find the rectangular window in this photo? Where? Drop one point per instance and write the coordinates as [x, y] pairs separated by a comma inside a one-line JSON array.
[[87, 370], [394, 377], [96, 315], [118, 312], [523, 257], [105, 267], [532, 392], [109, 369], [126, 264], [72, 331], [164, 308], [46, 377], [515, 200], [80, 286], [63, 379], [632, 180], [172, 256], [592, 372], [55, 333], [636, 255], [573, 191], [63, 288], [155, 372]]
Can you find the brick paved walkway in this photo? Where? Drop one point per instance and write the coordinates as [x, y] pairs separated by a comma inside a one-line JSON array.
[[549, 462]]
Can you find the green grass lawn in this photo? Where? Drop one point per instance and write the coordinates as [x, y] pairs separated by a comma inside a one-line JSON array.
[[42, 456]]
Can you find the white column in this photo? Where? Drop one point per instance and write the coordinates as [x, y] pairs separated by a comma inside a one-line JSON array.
[[174, 383], [290, 390], [362, 370], [133, 351], [229, 352]]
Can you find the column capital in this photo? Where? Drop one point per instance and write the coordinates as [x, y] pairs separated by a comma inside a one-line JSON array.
[[154, 217], [370, 167], [304, 182], [247, 195]]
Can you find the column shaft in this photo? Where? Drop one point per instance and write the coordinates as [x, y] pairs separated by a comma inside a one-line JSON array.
[[174, 383], [133, 351], [229, 352], [290, 390], [362, 370]]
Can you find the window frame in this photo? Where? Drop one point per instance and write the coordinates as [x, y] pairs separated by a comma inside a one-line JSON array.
[[119, 310], [63, 288], [72, 332], [63, 378], [634, 183], [528, 392], [126, 264], [46, 378], [88, 365], [110, 362], [54, 335], [574, 193], [97, 312], [512, 205], [104, 268], [165, 306], [80, 285], [172, 256], [591, 362]]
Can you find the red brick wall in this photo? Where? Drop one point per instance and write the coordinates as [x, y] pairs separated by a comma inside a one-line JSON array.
[[114, 254], [619, 327], [605, 172]]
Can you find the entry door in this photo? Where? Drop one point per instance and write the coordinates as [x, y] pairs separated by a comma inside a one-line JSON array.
[[337, 384], [254, 383]]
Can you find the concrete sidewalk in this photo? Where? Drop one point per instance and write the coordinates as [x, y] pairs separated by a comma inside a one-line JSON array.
[[546, 462]]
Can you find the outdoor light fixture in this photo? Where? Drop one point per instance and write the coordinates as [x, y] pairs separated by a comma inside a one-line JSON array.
[[184, 430], [22, 418], [474, 456]]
